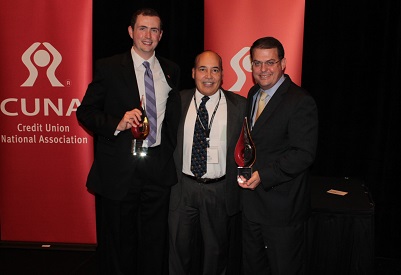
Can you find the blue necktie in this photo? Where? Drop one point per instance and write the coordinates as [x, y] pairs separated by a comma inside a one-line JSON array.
[[199, 146], [150, 104]]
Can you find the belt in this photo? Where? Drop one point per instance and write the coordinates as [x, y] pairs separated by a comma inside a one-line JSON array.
[[204, 180]]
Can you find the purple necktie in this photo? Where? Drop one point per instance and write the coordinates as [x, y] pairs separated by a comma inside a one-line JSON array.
[[150, 103]]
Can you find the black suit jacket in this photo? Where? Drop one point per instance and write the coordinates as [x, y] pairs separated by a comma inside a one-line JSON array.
[[285, 137], [112, 92], [236, 106]]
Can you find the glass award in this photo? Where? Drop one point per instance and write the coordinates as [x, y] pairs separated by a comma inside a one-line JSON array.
[[245, 152], [140, 133]]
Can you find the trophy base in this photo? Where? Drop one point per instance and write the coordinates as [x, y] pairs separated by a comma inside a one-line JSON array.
[[246, 172], [139, 148]]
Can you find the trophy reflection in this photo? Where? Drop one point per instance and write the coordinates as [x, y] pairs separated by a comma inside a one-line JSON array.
[[245, 152], [140, 133]]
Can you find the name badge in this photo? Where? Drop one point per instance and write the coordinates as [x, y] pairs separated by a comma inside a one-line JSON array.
[[212, 155]]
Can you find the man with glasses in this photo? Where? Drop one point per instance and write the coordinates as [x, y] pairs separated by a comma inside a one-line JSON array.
[[276, 198]]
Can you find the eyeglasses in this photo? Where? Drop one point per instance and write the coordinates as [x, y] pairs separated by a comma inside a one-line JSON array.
[[268, 63]]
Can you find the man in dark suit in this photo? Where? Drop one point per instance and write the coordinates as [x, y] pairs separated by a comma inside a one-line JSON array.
[[132, 192], [276, 199], [205, 199]]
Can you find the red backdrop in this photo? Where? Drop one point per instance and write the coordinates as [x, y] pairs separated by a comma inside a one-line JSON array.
[[231, 26], [46, 65]]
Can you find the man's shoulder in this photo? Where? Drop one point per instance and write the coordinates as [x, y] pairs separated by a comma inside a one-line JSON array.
[[296, 90], [234, 95], [114, 59], [186, 93], [254, 89], [165, 61]]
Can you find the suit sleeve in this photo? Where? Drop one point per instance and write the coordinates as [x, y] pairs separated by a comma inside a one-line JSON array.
[[91, 113]]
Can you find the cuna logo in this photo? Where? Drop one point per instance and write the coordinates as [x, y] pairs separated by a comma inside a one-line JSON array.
[[242, 57], [41, 58]]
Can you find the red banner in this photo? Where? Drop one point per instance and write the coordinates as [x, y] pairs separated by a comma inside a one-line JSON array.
[[232, 26], [46, 65]]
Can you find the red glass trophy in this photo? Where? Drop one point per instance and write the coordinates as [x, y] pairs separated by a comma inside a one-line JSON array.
[[245, 152], [140, 133]]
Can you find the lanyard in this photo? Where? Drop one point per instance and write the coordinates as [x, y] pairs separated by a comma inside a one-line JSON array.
[[209, 127]]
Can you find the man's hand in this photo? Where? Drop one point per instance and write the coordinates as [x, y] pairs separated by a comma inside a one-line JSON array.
[[252, 183], [130, 119]]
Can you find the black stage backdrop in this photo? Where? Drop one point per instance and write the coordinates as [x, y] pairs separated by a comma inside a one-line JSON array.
[[182, 37], [351, 65]]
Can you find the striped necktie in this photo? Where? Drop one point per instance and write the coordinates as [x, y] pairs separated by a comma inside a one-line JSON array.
[[150, 103]]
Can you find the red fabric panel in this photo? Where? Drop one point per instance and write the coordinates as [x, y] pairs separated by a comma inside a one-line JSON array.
[[232, 26], [46, 65]]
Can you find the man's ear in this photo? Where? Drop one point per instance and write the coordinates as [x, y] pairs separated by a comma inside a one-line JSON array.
[[130, 32]]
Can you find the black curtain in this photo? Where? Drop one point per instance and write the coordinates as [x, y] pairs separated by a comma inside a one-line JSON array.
[[182, 36], [351, 65]]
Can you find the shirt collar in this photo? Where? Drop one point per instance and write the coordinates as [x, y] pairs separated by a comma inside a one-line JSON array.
[[213, 98], [138, 61], [273, 89]]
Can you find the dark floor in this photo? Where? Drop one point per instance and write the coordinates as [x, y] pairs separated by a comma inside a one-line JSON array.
[[16, 261], [44, 261]]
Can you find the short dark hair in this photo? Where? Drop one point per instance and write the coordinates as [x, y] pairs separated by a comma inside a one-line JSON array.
[[145, 12], [268, 43]]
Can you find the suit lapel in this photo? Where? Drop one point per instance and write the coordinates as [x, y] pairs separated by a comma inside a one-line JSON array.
[[166, 71], [232, 118], [186, 97], [129, 76], [270, 108]]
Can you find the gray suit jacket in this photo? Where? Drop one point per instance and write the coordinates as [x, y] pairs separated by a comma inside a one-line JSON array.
[[236, 107]]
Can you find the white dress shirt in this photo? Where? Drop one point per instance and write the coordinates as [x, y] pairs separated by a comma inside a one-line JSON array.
[[160, 83], [216, 166]]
